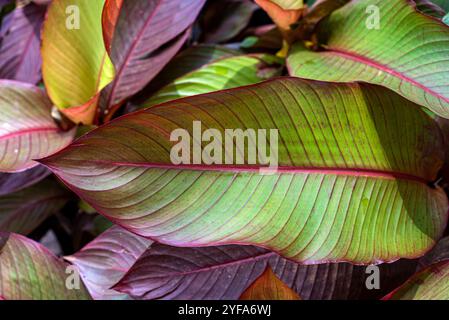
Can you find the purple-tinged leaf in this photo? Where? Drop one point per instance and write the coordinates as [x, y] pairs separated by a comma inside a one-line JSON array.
[[29, 271], [429, 8], [23, 211], [106, 259], [12, 182], [4, 3], [186, 61], [439, 253], [147, 35], [20, 57], [224, 272], [223, 20], [443, 4], [27, 130]]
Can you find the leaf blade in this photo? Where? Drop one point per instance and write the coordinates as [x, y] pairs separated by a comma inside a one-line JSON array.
[[28, 271], [269, 287], [23, 211], [234, 204], [106, 259], [224, 272], [403, 66], [20, 57], [73, 52], [35, 135], [138, 60]]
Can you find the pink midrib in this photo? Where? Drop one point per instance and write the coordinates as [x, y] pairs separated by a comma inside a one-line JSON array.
[[129, 53], [384, 68], [28, 131], [355, 172]]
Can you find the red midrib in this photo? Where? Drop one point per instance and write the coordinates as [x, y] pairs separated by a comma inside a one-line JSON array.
[[355, 172], [26, 131], [129, 53], [384, 68]]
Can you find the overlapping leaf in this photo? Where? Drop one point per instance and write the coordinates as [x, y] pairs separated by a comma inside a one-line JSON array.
[[429, 8], [438, 253], [223, 20], [388, 52], [185, 62], [76, 66], [27, 130], [28, 271], [428, 284], [444, 4], [20, 57], [355, 162], [269, 287], [12, 182], [23, 211], [224, 272], [267, 38], [222, 74], [111, 12], [146, 36], [106, 259]]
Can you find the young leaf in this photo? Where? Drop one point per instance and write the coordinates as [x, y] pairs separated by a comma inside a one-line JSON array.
[[23, 211], [111, 12], [27, 130], [352, 184], [382, 47], [12, 182], [281, 14], [20, 57], [269, 287], [76, 66], [28, 271], [106, 259], [222, 74], [224, 272], [428, 284], [146, 36]]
